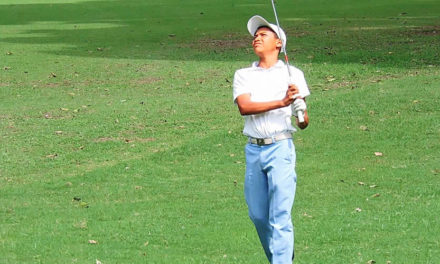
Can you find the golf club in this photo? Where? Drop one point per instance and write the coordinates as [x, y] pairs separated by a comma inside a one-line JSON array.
[[286, 58]]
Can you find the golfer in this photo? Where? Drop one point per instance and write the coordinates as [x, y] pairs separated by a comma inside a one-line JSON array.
[[267, 98]]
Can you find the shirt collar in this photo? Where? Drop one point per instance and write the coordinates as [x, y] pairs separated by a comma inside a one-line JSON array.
[[279, 63]]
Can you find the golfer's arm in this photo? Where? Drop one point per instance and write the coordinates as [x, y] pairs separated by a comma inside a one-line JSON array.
[[248, 107]]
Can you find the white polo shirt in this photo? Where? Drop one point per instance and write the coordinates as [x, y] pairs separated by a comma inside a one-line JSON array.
[[268, 85]]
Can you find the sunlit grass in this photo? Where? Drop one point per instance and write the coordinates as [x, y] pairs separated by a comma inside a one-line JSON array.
[[118, 127]]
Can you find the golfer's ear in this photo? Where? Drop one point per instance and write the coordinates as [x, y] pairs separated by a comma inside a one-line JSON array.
[[279, 43]]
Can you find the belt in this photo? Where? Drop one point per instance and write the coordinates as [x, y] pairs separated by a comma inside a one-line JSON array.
[[271, 140]]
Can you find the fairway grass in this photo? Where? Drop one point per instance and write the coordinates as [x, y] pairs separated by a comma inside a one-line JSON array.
[[120, 141]]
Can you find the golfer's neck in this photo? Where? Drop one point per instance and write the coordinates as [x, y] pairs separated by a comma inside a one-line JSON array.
[[268, 61]]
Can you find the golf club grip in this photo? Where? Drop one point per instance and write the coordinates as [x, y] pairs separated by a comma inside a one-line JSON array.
[[300, 116]]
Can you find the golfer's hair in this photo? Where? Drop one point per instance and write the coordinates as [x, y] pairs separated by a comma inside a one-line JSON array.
[[276, 35]]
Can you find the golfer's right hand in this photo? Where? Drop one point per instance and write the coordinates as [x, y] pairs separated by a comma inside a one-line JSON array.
[[291, 94]]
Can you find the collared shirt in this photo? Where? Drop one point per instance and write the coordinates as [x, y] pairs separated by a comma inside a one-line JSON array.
[[266, 85]]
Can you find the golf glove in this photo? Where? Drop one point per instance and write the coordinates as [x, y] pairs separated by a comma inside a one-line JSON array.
[[298, 105]]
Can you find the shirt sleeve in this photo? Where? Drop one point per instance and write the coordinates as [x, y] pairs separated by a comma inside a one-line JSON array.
[[239, 85], [300, 81]]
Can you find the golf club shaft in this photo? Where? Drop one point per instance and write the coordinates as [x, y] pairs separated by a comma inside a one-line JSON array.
[[286, 58]]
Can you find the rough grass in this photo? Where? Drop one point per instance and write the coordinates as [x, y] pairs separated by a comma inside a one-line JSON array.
[[120, 142]]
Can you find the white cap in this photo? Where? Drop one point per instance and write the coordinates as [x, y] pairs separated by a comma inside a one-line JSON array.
[[256, 22]]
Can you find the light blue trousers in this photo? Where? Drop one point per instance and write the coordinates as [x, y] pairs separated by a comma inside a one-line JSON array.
[[270, 184]]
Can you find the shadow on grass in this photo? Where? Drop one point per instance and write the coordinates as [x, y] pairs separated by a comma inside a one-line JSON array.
[[177, 30]]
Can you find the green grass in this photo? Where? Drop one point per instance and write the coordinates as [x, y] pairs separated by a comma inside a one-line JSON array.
[[127, 106]]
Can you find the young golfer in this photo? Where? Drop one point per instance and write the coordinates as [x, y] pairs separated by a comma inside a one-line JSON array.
[[267, 98]]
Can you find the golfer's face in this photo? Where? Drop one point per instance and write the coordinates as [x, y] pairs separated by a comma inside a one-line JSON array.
[[265, 40]]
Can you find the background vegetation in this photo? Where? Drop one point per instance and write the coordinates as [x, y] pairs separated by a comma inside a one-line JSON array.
[[120, 142]]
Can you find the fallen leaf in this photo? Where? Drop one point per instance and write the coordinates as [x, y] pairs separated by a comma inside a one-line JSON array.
[[93, 242], [82, 224], [330, 78], [58, 132], [64, 109], [371, 262], [9, 53], [53, 75], [98, 262], [373, 186], [361, 183], [307, 215], [378, 154], [363, 128], [52, 156], [375, 195], [358, 210]]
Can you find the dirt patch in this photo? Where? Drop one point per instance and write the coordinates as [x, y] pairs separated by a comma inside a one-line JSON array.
[[232, 41], [147, 80], [426, 31], [296, 33], [52, 85], [105, 139], [140, 140], [125, 140], [226, 42], [223, 44]]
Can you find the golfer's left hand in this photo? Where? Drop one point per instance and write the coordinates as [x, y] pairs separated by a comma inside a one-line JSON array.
[[299, 105]]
